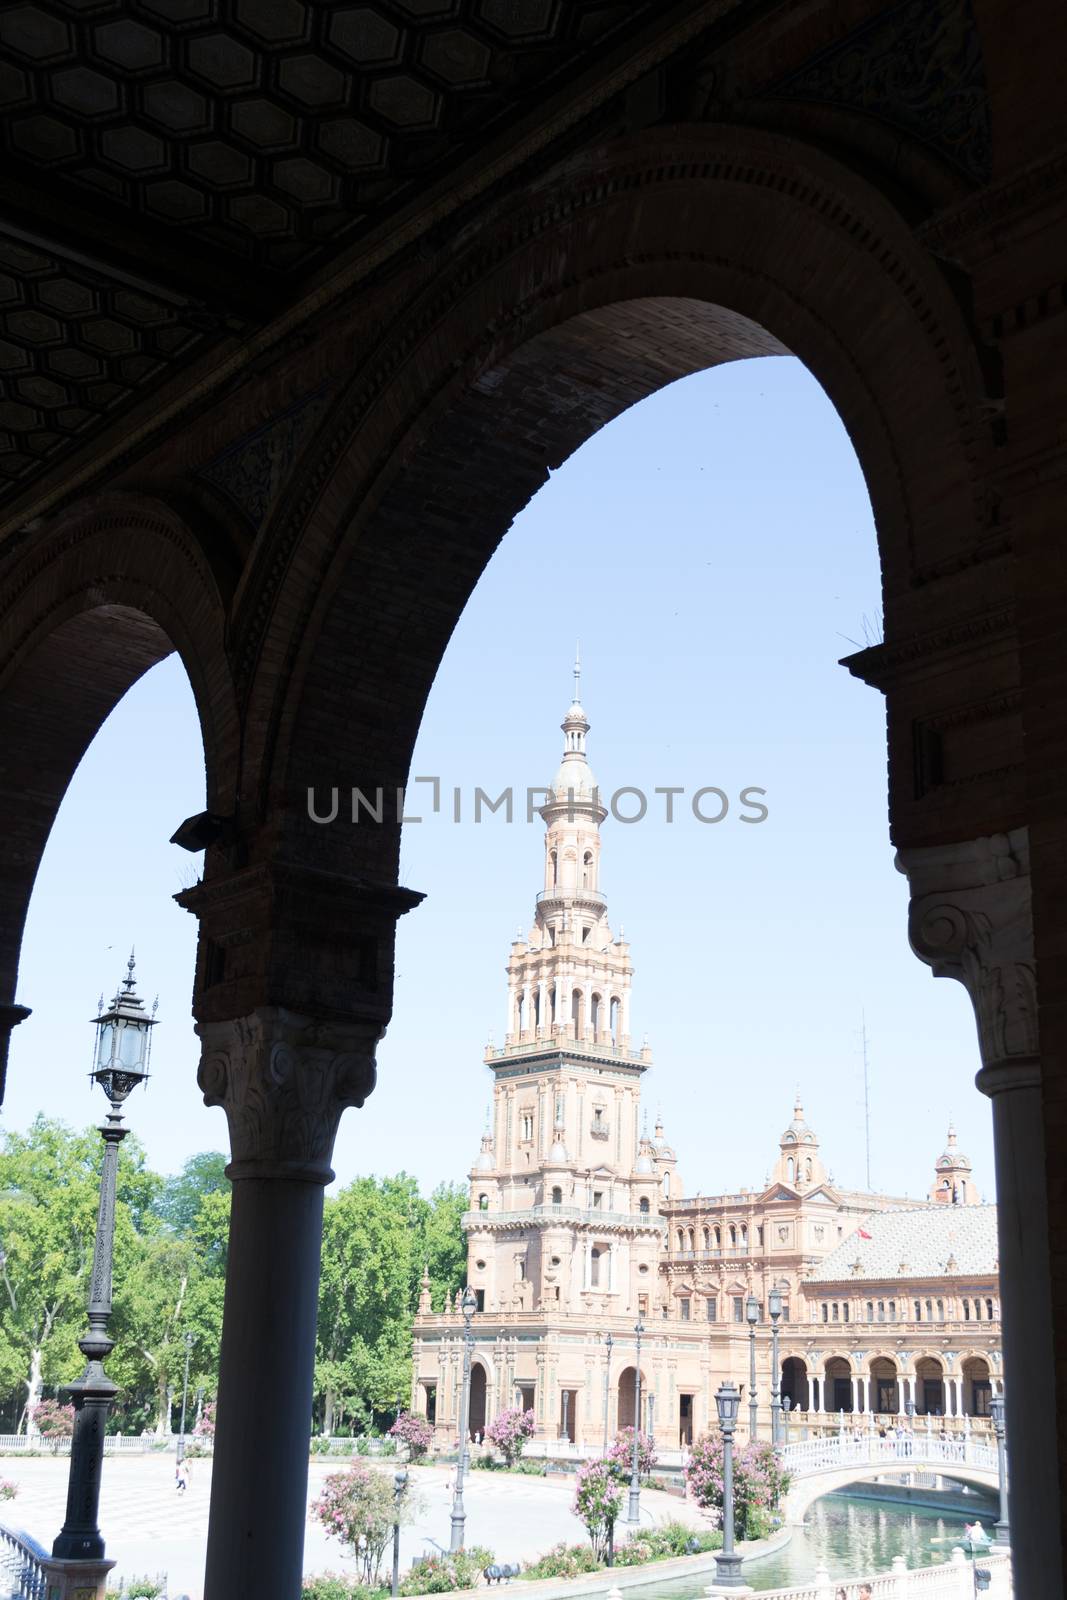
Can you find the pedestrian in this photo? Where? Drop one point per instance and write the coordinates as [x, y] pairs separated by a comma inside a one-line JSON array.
[[181, 1477], [865, 1592]]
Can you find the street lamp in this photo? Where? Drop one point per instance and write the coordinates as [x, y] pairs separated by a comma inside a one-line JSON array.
[[633, 1512], [774, 1306], [608, 1345], [459, 1516], [120, 1063], [185, 1391], [752, 1317], [786, 1404], [727, 1561], [400, 1479], [1001, 1528]]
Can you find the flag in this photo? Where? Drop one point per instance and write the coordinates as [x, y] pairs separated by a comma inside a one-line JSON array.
[[864, 1235]]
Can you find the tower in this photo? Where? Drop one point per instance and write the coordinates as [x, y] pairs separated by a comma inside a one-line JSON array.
[[799, 1164], [953, 1183], [564, 1204]]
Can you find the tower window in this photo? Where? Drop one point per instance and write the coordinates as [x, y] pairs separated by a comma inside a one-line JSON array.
[[527, 1126], [683, 1307], [739, 1308], [642, 1205], [712, 1308], [483, 1202], [557, 1196]]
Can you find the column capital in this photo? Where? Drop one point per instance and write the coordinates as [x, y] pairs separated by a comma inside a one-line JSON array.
[[283, 1080], [970, 919]]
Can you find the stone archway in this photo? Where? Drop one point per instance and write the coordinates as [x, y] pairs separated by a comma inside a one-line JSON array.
[[795, 1384], [929, 1387], [837, 1386], [977, 1386], [478, 1400], [625, 1398], [884, 1388]]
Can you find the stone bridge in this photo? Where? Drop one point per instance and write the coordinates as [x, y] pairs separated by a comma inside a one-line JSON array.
[[818, 1466]]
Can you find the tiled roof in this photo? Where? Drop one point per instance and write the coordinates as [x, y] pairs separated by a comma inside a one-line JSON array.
[[930, 1241]]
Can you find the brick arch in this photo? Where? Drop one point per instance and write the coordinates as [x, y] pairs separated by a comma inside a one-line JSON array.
[[118, 584], [635, 265]]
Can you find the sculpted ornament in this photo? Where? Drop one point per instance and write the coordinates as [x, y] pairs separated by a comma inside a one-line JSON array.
[[970, 919], [283, 1081]]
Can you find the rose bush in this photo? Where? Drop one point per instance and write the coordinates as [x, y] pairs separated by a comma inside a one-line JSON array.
[[759, 1484], [597, 1503], [414, 1431], [509, 1431]]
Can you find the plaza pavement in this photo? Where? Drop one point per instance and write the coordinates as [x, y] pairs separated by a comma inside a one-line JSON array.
[[149, 1528]]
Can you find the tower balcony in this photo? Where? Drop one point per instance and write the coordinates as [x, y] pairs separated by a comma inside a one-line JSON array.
[[572, 895]]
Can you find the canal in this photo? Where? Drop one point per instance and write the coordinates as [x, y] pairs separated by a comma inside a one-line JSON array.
[[852, 1538]]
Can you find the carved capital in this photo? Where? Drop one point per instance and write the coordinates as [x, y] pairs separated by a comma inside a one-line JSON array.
[[283, 1080], [970, 919]]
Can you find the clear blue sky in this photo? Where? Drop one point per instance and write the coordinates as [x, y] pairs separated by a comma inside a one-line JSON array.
[[714, 550]]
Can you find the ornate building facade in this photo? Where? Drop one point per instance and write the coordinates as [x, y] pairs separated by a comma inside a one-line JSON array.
[[579, 1225]]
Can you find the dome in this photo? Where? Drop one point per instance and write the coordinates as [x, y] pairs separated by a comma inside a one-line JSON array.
[[643, 1164], [558, 1153], [574, 773], [485, 1161]]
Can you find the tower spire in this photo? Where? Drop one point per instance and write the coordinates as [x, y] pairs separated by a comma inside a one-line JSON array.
[[577, 673]]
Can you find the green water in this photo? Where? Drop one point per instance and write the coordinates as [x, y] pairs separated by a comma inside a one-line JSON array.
[[852, 1538]]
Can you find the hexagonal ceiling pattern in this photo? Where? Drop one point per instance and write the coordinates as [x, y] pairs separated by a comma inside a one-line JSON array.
[[271, 128], [210, 137]]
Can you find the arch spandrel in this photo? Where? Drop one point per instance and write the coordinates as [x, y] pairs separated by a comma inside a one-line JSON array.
[[641, 262]]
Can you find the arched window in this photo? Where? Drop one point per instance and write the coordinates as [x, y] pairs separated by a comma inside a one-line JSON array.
[[835, 1316], [989, 1309], [594, 1268], [667, 1185], [594, 1013], [718, 1238], [870, 1310], [892, 1311], [483, 1202], [576, 1010], [790, 1170], [759, 1235], [940, 1311], [613, 1018], [807, 1170], [557, 1195], [554, 864], [918, 1310], [846, 1315], [707, 1239], [929, 1311], [681, 1239], [690, 1242], [825, 1312], [744, 1235], [733, 1236], [643, 1206], [537, 1007], [587, 870]]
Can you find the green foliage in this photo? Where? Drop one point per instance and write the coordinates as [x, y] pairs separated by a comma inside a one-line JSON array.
[[669, 1540], [359, 1507], [144, 1588], [182, 1195], [8, 1489], [563, 1561], [438, 1574], [336, 1586]]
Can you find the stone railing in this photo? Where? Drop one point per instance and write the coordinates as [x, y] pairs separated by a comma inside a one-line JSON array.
[[952, 1580], [827, 1454], [589, 1216], [22, 1570]]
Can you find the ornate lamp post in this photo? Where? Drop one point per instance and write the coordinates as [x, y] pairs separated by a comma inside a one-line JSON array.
[[633, 1512], [400, 1479], [752, 1317], [786, 1403], [727, 1561], [120, 1063], [774, 1306], [608, 1345], [1001, 1528], [185, 1391], [459, 1515]]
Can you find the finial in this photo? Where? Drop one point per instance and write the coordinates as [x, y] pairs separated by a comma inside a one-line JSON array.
[[577, 672], [100, 1004], [155, 1005], [488, 1118], [951, 1133]]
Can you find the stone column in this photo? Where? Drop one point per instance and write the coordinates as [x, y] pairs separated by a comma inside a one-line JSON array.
[[970, 919], [283, 1080], [857, 1400]]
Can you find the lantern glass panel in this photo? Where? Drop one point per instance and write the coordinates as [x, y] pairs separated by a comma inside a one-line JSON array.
[[105, 1044], [130, 1046]]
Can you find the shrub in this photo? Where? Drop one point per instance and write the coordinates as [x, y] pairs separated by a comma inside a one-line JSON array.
[[336, 1586], [53, 1422], [509, 1431], [462, 1569], [414, 1431], [563, 1561], [8, 1489], [358, 1507], [144, 1588], [620, 1456], [668, 1540], [759, 1484], [597, 1502], [205, 1422]]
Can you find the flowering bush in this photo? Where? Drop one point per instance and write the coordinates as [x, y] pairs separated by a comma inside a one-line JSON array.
[[660, 1544], [759, 1484], [509, 1432], [357, 1506], [8, 1490], [620, 1457], [563, 1561], [461, 1569], [414, 1431], [334, 1586], [53, 1422], [597, 1502], [205, 1422]]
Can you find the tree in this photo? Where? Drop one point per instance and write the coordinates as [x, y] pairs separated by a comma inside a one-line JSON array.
[[597, 1502], [509, 1431], [413, 1431], [359, 1507], [759, 1483], [183, 1194], [620, 1456], [49, 1191], [442, 1245]]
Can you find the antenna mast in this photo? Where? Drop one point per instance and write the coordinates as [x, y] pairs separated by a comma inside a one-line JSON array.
[[866, 1098]]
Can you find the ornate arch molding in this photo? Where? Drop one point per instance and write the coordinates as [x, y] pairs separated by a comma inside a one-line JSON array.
[[135, 553], [708, 213], [95, 599]]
